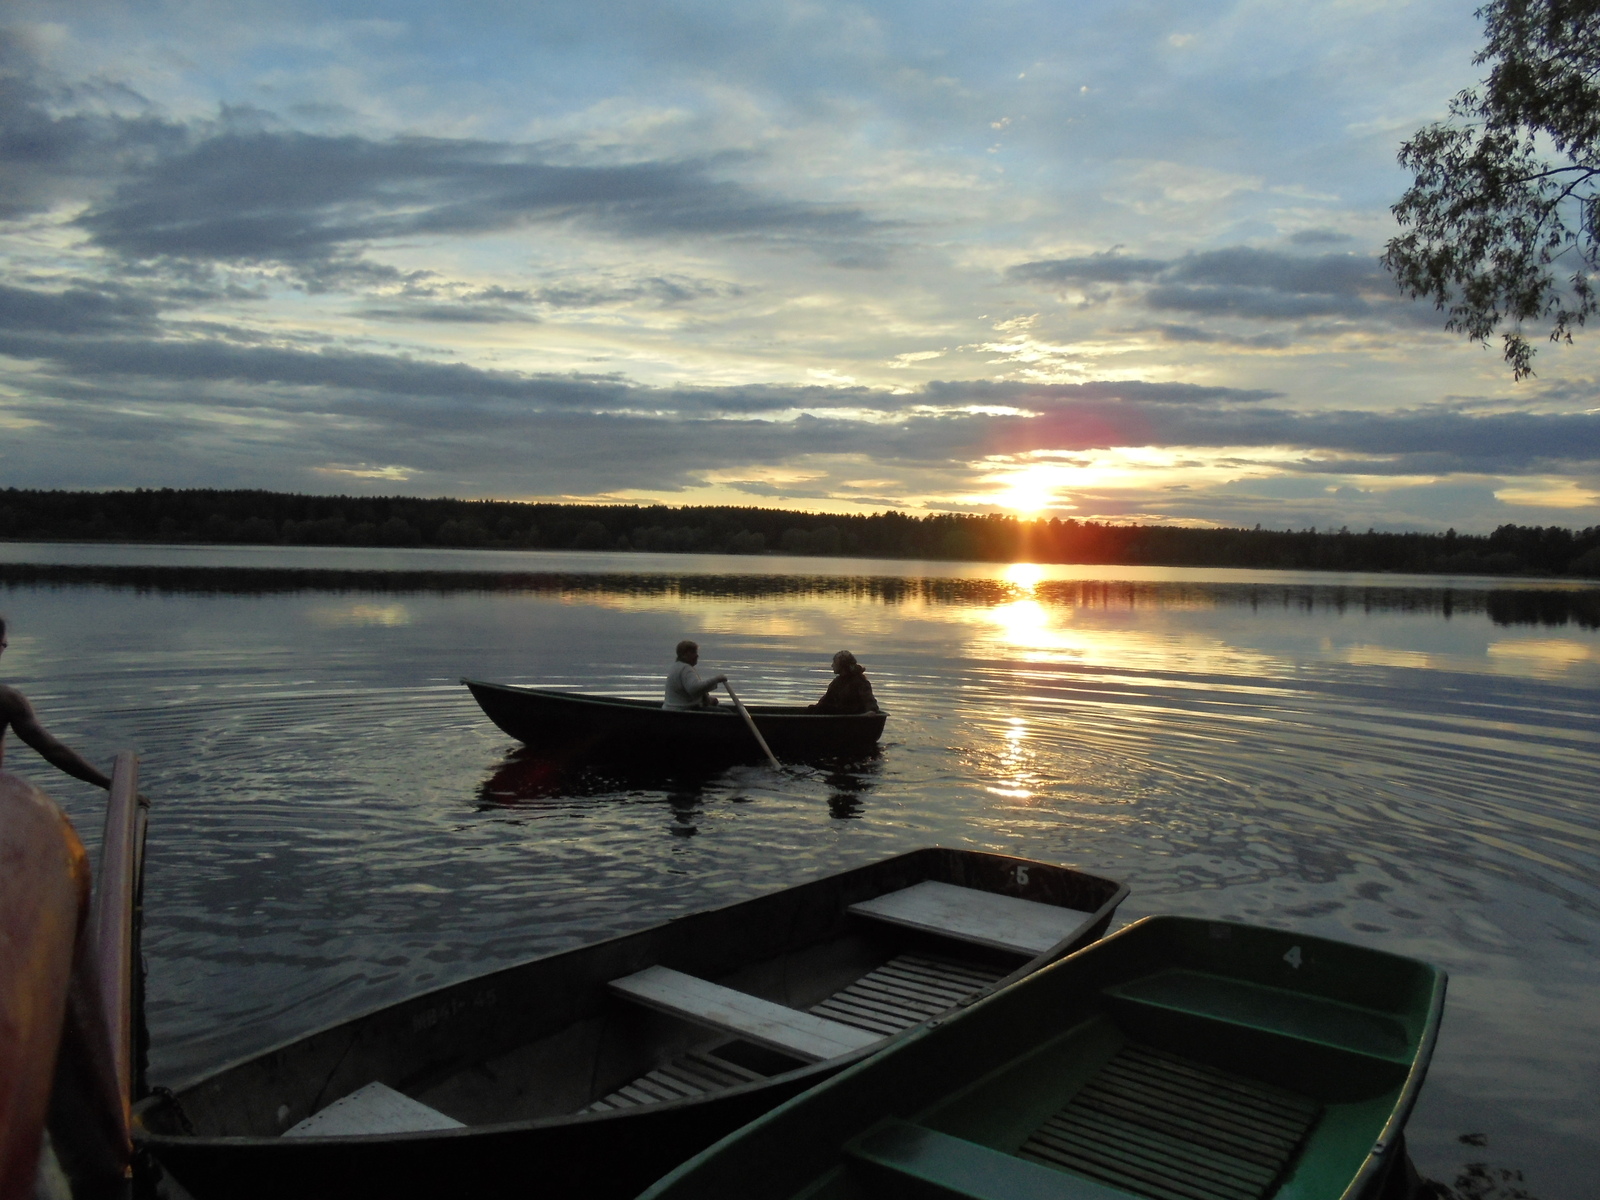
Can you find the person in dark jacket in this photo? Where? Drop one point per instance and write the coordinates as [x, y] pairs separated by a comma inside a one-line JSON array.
[[850, 692]]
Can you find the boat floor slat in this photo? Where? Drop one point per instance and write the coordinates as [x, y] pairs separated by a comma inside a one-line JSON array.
[[1221, 1106], [1091, 1128], [872, 1002], [707, 1079], [689, 1074], [658, 1090], [639, 1095], [1181, 1160], [1274, 1102], [861, 1019], [1169, 1128], [903, 998], [674, 1084], [947, 968], [922, 983], [1125, 1174], [933, 978], [1179, 1124], [712, 1062]]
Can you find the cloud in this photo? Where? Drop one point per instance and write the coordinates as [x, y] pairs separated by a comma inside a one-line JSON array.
[[300, 198], [469, 314], [1260, 302], [1318, 237], [1238, 282], [1107, 267], [75, 310], [1045, 397], [663, 290], [46, 157], [1193, 334]]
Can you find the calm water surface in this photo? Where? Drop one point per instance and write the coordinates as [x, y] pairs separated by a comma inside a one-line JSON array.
[[1406, 763]]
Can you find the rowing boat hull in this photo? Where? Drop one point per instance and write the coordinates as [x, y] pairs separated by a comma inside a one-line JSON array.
[[1177, 1057], [555, 1020], [543, 717]]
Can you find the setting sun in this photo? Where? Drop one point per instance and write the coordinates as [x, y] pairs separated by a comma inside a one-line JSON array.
[[1031, 490]]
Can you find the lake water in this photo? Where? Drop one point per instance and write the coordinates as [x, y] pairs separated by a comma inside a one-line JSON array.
[[1409, 764]]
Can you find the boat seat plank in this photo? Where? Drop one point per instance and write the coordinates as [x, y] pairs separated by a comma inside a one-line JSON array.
[[982, 918], [913, 978], [374, 1108], [787, 1030], [952, 1166]]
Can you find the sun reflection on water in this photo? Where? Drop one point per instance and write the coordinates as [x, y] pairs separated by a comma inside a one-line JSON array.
[[1016, 779], [1024, 575]]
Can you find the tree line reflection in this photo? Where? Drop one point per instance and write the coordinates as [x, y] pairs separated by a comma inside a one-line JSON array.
[[1503, 606]]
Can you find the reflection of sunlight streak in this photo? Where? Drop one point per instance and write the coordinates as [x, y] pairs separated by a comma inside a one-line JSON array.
[[1015, 763], [1026, 624], [1385, 656], [1024, 575], [1541, 658], [1038, 633], [1551, 650], [391, 615]]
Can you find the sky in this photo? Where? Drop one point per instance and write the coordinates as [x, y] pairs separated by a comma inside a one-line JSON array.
[[1113, 260]]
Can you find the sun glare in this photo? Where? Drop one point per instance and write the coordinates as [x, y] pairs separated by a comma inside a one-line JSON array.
[[1030, 491]]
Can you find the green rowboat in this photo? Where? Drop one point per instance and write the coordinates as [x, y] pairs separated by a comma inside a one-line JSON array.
[[1178, 1059]]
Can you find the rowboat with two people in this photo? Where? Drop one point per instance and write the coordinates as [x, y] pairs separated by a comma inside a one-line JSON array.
[[1177, 1059], [581, 724], [594, 1071]]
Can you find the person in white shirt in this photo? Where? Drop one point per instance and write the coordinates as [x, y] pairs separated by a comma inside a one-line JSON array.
[[685, 688]]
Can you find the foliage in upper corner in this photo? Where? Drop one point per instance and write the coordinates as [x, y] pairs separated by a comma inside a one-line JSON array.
[[1502, 221]]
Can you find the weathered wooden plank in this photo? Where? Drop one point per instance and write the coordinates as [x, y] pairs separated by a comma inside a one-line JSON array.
[[374, 1108], [982, 918], [756, 1020]]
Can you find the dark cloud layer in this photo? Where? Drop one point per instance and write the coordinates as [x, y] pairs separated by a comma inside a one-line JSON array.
[[362, 406], [297, 198], [75, 310], [1241, 281]]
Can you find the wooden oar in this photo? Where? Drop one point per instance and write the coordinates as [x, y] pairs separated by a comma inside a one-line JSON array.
[[750, 723]]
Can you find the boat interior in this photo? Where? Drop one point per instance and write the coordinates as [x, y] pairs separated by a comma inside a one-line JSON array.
[[641, 1037], [1176, 1084]]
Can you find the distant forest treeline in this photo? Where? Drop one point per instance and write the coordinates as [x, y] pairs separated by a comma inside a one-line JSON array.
[[274, 518]]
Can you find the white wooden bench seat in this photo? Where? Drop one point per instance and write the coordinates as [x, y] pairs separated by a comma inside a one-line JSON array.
[[774, 1026], [375, 1108], [981, 918]]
